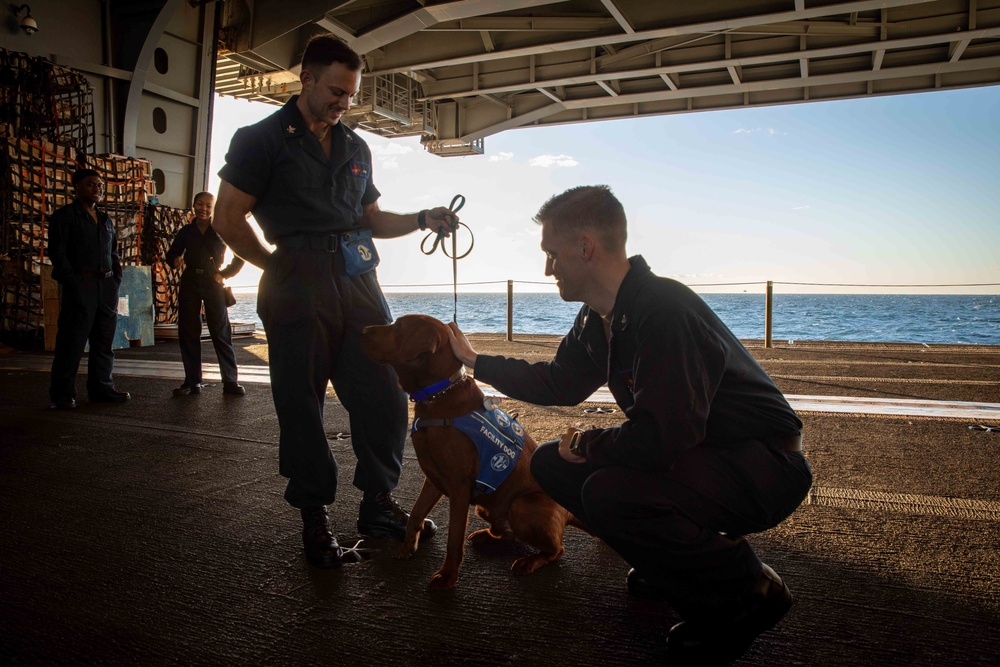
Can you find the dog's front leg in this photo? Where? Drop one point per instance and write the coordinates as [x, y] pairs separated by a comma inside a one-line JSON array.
[[458, 523], [426, 500]]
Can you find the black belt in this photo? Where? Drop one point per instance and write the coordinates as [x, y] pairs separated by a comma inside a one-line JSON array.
[[96, 274], [327, 242], [787, 443]]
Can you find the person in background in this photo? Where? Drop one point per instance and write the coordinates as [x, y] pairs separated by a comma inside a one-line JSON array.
[[307, 178], [710, 450], [199, 250], [83, 249]]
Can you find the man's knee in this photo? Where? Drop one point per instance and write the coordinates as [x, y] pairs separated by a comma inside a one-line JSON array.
[[544, 461], [611, 500]]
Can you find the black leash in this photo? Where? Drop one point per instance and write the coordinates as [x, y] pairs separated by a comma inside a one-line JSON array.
[[457, 202]]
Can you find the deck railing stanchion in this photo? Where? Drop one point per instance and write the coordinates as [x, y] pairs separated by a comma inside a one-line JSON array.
[[768, 304], [510, 310]]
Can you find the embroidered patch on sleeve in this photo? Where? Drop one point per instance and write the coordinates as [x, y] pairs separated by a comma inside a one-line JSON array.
[[359, 169]]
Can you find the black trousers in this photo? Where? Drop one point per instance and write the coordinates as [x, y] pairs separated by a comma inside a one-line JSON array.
[[196, 289], [88, 312], [313, 315], [683, 528]]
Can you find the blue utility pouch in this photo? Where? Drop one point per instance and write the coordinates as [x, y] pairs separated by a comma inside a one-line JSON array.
[[359, 251]]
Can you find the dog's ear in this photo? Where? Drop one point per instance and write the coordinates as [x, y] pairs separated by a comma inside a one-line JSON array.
[[418, 361], [415, 344]]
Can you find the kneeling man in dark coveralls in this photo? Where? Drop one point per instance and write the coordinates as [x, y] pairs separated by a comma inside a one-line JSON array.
[[83, 249], [711, 450], [307, 179]]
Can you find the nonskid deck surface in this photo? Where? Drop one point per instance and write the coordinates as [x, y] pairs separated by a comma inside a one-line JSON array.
[[155, 532]]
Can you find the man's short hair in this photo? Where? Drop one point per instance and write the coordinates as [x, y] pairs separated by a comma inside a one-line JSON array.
[[206, 193], [324, 50], [591, 208], [81, 174]]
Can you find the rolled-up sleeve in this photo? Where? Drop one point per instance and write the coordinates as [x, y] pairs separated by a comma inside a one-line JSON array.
[[248, 162]]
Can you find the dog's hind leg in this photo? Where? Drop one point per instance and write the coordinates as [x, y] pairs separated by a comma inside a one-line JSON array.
[[539, 522], [426, 500], [499, 528]]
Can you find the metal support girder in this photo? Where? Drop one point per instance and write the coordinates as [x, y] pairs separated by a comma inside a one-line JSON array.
[[659, 33], [425, 17], [138, 82], [933, 69], [877, 48]]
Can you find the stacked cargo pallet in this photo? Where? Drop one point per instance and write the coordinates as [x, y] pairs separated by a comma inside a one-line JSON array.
[[47, 133], [46, 122], [162, 225], [37, 183]]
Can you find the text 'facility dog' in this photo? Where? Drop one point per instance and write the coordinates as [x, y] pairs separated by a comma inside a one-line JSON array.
[[469, 450]]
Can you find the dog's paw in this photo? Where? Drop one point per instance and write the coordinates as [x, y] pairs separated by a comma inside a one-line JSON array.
[[482, 537], [443, 580], [405, 551], [529, 564]]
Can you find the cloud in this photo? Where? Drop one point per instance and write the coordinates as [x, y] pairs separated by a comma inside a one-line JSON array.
[[502, 156], [389, 148], [800, 208], [553, 161], [770, 131]]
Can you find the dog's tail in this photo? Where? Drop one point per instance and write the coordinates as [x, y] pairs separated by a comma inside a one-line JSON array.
[[576, 523]]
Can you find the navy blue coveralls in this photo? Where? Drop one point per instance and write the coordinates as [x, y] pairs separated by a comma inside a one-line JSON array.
[[203, 255], [312, 311], [699, 462], [85, 262]]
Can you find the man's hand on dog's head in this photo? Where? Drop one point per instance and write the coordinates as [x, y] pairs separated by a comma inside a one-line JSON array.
[[460, 346]]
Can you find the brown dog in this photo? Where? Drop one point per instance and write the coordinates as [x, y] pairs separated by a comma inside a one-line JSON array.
[[418, 348]]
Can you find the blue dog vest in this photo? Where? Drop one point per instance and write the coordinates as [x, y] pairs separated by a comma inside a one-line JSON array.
[[498, 437]]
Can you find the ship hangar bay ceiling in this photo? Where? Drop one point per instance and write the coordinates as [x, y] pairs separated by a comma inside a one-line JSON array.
[[456, 72]]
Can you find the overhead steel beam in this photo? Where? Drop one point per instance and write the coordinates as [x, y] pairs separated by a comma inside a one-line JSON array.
[[878, 48], [692, 29], [425, 17], [526, 24], [618, 16], [935, 69]]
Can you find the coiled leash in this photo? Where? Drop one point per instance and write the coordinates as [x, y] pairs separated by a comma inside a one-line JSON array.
[[457, 202]]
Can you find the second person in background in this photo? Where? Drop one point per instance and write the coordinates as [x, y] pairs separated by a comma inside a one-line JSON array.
[[199, 250]]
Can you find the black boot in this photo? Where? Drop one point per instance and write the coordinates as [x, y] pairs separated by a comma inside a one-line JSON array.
[[381, 516], [320, 545], [640, 587], [723, 637]]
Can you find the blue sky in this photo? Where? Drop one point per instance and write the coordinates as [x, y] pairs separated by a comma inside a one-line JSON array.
[[889, 190]]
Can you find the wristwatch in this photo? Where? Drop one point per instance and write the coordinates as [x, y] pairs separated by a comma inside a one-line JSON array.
[[422, 219], [575, 443]]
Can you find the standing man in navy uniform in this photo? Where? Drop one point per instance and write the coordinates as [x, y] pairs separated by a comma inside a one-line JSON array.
[[84, 254], [307, 180]]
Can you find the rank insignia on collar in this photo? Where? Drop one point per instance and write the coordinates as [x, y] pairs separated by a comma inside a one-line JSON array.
[[291, 129]]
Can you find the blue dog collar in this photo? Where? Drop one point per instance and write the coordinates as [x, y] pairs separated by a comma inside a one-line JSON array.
[[427, 393]]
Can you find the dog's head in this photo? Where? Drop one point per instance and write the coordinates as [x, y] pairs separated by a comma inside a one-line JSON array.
[[416, 346]]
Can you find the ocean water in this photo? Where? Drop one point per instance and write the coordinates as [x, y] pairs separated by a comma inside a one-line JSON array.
[[968, 319]]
